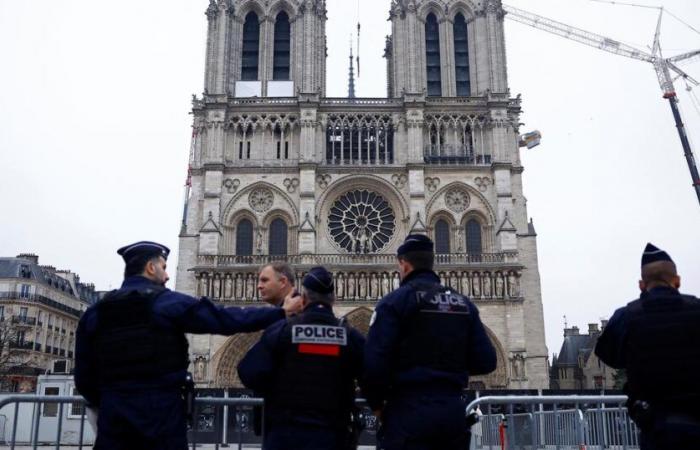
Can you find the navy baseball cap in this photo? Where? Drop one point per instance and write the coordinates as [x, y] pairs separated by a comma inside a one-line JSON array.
[[415, 243]]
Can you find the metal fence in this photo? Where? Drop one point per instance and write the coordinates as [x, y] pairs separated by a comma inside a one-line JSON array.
[[510, 422], [552, 422]]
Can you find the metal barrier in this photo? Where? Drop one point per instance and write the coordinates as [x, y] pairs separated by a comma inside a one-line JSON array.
[[537, 422], [522, 422]]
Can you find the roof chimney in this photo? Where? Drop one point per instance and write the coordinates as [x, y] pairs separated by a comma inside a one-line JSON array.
[[29, 257], [593, 328], [573, 331]]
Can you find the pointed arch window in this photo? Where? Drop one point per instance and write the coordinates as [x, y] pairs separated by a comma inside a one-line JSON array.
[[280, 64], [432, 55], [442, 236], [461, 56], [244, 238], [277, 244], [251, 47], [473, 236]]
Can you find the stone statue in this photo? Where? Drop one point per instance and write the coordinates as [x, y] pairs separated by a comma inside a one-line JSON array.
[[499, 285], [476, 285], [259, 241], [512, 285], [352, 286], [373, 286], [363, 240], [238, 284], [228, 287], [200, 369], [396, 280], [216, 292], [518, 366], [362, 286], [460, 240], [487, 284], [340, 286], [250, 288], [454, 282], [465, 285], [385, 284]]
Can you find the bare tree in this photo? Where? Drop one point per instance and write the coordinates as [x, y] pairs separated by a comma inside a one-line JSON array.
[[15, 344]]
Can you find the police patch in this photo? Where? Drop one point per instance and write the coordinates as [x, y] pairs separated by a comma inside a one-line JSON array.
[[319, 334]]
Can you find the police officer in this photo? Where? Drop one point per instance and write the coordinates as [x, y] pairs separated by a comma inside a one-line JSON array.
[[275, 282], [306, 369], [656, 338], [424, 341], [131, 351]]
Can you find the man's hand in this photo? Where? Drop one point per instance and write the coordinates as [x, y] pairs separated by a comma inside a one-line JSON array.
[[292, 304]]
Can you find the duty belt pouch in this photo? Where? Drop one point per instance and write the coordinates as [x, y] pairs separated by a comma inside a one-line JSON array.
[[188, 396]]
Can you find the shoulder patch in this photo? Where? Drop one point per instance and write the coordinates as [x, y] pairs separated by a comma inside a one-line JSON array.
[[319, 334]]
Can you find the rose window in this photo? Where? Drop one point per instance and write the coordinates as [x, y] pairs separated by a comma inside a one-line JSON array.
[[361, 221]]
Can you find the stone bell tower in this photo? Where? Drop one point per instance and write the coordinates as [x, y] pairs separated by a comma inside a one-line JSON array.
[[282, 172]]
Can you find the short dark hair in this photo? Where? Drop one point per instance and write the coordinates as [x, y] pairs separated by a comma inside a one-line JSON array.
[[138, 266], [659, 272], [281, 268], [316, 297], [419, 260]]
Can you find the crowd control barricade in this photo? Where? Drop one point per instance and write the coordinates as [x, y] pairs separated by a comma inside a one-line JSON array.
[[40, 421], [562, 422]]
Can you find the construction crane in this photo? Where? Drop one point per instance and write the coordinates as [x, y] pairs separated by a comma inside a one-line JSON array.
[[666, 69]]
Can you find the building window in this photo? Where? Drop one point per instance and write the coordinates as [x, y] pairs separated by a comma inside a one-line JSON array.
[[461, 56], [2, 313], [361, 221], [251, 47], [359, 139], [432, 55], [280, 65], [277, 244], [442, 237], [244, 238], [50, 409], [77, 409], [473, 237], [24, 291], [23, 312]]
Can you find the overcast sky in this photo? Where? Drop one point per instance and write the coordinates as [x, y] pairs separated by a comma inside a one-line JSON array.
[[95, 129]]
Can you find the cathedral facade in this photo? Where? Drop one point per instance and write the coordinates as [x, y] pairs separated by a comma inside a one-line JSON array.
[[280, 171]]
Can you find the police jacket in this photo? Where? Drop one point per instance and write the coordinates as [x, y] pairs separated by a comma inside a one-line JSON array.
[[306, 369], [424, 338], [116, 336], [656, 338]]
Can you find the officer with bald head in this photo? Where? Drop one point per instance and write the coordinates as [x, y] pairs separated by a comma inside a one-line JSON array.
[[656, 339], [306, 368]]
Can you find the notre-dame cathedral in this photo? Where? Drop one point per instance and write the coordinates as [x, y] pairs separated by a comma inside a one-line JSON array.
[[280, 171]]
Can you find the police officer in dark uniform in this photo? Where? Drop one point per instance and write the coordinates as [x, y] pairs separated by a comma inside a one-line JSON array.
[[656, 338], [424, 341], [306, 369], [132, 356]]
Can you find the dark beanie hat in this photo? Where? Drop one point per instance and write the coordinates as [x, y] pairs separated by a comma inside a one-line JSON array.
[[319, 280], [653, 254], [415, 243]]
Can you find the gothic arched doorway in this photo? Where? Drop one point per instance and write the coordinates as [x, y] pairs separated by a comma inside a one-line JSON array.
[[226, 359]]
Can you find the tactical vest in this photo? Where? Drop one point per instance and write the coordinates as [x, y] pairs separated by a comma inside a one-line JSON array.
[[313, 378], [128, 345], [663, 349], [436, 334]]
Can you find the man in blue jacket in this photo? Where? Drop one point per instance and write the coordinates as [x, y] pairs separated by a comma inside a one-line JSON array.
[[306, 369], [132, 354], [424, 341], [656, 339]]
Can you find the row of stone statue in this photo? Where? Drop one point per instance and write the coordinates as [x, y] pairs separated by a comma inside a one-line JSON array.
[[362, 286]]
